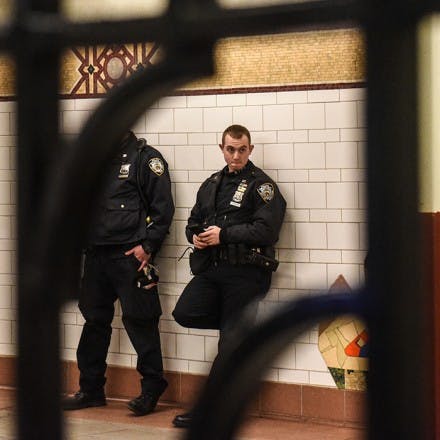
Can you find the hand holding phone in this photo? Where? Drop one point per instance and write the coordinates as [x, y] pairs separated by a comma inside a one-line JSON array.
[[196, 229]]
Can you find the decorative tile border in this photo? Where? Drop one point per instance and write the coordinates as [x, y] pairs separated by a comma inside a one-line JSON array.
[[318, 59]]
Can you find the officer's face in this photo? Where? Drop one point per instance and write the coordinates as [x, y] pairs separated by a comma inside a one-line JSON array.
[[236, 152]]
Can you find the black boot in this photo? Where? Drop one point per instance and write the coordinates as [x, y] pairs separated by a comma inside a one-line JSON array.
[[143, 404], [83, 399], [183, 420]]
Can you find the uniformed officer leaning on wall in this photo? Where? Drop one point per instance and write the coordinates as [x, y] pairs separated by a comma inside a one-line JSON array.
[[133, 219], [234, 225]]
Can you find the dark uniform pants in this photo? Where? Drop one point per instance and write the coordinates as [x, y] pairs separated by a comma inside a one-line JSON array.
[[109, 275], [217, 298]]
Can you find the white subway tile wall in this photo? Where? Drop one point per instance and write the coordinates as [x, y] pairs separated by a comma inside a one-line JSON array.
[[311, 142]]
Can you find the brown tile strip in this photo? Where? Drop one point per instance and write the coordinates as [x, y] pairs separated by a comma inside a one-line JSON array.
[[274, 400]]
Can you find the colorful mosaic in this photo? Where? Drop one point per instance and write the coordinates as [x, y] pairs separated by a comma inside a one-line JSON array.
[[317, 59], [343, 344]]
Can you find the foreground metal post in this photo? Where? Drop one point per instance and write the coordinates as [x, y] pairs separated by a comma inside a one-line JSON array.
[[398, 312], [39, 303]]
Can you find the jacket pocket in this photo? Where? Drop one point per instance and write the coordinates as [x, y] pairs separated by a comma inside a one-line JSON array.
[[122, 217]]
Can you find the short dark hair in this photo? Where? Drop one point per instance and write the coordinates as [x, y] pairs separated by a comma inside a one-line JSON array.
[[236, 132]]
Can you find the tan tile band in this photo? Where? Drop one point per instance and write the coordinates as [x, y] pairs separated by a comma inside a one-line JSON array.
[[319, 58]]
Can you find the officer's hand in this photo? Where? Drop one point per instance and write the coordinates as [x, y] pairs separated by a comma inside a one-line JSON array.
[[211, 236], [198, 242], [140, 255]]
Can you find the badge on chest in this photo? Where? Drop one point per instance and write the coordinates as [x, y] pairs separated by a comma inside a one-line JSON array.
[[124, 172], [239, 193]]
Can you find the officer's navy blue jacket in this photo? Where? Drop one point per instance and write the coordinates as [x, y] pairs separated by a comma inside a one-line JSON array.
[[121, 216], [247, 205]]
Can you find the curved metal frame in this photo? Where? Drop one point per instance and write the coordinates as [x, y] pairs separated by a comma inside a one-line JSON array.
[[53, 203], [222, 404]]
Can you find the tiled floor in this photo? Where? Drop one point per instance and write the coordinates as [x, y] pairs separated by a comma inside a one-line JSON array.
[[115, 422]]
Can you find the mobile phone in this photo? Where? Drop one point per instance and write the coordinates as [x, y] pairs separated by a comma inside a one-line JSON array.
[[196, 229]]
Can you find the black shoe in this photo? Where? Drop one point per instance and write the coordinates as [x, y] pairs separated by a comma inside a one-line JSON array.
[[82, 400], [183, 420], [143, 404]]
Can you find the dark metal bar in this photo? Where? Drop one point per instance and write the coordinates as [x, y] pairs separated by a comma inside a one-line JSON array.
[[206, 21], [223, 402], [400, 368], [38, 304]]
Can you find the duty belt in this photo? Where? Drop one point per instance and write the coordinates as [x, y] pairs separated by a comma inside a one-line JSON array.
[[242, 254]]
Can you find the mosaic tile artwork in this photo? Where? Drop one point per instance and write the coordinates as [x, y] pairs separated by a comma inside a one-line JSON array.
[[293, 61], [343, 343]]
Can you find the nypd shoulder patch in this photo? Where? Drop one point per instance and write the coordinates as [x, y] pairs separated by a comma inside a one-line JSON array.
[[266, 192], [156, 165]]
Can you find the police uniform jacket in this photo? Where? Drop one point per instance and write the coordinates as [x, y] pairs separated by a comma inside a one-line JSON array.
[[247, 205], [122, 217]]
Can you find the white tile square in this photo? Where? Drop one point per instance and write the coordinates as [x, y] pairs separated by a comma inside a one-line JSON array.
[[188, 158], [353, 94], [324, 175], [278, 117], [202, 101], [263, 98], [353, 135], [329, 135], [323, 95], [309, 358], [325, 256], [310, 195], [231, 99], [311, 276], [173, 139], [309, 116], [217, 119], [278, 156], [311, 236], [341, 155], [251, 117], [292, 97], [309, 155], [343, 235], [293, 376], [188, 120], [191, 347], [343, 195], [186, 194], [160, 121], [341, 115], [292, 136], [202, 139]]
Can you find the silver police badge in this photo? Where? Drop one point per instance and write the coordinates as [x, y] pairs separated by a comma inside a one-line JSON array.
[[156, 165], [124, 171], [266, 191]]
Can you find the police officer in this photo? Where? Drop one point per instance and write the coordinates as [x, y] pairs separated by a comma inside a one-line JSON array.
[[234, 224], [133, 218]]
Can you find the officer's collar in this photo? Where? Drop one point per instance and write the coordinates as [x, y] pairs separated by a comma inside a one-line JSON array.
[[246, 168]]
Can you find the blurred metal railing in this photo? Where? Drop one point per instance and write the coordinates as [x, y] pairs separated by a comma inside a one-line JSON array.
[[57, 185]]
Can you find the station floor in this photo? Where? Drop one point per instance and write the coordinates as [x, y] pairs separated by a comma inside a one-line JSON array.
[[115, 422]]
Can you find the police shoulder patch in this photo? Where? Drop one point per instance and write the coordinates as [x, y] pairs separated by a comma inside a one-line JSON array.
[[266, 191], [156, 165]]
